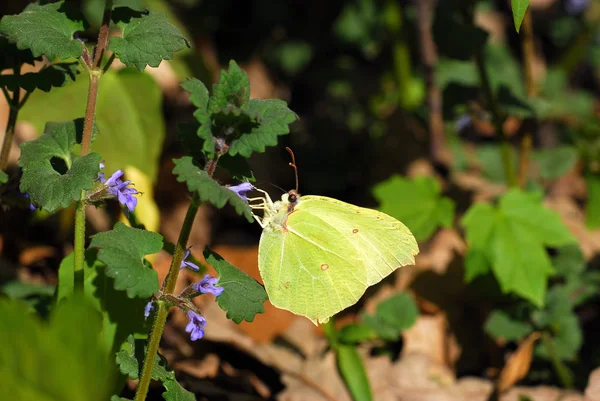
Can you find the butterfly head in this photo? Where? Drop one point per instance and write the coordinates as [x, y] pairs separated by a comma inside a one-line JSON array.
[[292, 197]]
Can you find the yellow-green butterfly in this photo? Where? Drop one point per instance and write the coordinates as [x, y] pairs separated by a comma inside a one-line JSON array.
[[318, 255]]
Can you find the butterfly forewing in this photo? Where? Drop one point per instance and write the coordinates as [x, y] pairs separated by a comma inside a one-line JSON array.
[[327, 253]]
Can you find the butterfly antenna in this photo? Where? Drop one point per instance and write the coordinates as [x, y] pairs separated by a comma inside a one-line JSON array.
[[292, 164]]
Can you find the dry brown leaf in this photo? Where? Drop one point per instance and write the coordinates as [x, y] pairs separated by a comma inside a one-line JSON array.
[[415, 372], [207, 367], [473, 389], [592, 391], [35, 254], [429, 336], [540, 393], [518, 364], [437, 254], [318, 380], [482, 189], [574, 219]]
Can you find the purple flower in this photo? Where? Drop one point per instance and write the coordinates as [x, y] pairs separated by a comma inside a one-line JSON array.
[[576, 6], [463, 122], [119, 189], [207, 286], [241, 190], [147, 309], [101, 173], [31, 206], [196, 325], [185, 263]]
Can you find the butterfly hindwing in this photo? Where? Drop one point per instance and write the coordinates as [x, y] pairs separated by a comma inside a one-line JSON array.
[[328, 254]]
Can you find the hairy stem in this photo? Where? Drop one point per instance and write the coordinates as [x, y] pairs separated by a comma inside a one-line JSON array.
[[169, 287], [79, 244], [86, 141], [103, 35], [11, 124]]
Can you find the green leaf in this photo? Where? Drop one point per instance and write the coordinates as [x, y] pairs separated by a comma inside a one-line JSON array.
[[16, 289], [592, 208], [46, 30], [293, 56], [131, 357], [476, 264], [273, 118], [353, 372], [129, 106], [500, 325], [233, 89], [199, 95], [355, 333], [569, 261], [123, 250], [147, 38], [3, 177], [567, 339], [51, 76], [416, 202], [202, 137], [553, 163], [52, 175], [126, 361], [66, 278], [519, 7], [56, 360], [492, 163], [117, 398], [175, 392], [121, 316], [512, 238], [392, 316], [243, 297], [513, 104], [208, 190]]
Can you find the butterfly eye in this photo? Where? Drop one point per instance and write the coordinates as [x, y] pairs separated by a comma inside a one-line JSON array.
[[292, 198]]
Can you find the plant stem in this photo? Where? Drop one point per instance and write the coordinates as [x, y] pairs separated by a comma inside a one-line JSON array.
[[425, 9], [86, 142], [11, 124], [524, 153], [528, 53], [90, 112], [507, 161], [103, 34], [564, 375], [79, 245], [168, 288]]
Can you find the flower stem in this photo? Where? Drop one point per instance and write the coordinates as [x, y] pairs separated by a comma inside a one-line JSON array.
[[168, 288], [169, 285], [151, 351], [10, 126]]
